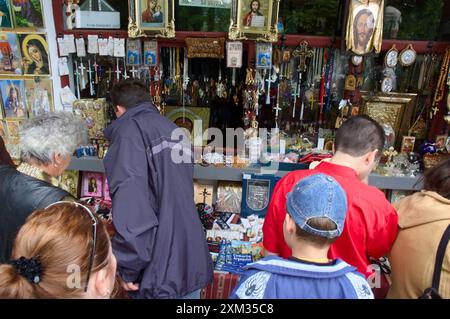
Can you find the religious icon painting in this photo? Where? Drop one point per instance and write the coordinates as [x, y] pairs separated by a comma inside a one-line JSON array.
[[155, 16], [6, 21], [441, 142], [134, 52], [94, 113], [263, 56], [364, 26], [39, 96], [69, 182], [256, 19], [27, 13], [35, 55], [12, 128], [150, 53], [407, 144], [10, 60], [92, 185], [14, 98]]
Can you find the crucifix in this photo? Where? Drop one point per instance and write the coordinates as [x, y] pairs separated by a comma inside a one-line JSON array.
[[270, 79], [205, 194], [125, 73], [433, 111], [82, 79], [134, 71], [117, 71], [295, 95], [303, 53], [95, 65], [109, 72], [77, 76], [91, 79]]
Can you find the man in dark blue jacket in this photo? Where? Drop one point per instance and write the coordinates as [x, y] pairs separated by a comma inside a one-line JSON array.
[[159, 243]]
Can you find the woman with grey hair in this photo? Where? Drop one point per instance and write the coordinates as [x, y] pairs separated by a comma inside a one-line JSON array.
[[47, 143]]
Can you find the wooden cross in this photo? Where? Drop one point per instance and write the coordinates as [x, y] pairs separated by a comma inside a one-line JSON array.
[[303, 52], [204, 193], [109, 72]]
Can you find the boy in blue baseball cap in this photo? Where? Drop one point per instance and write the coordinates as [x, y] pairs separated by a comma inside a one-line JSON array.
[[316, 211]]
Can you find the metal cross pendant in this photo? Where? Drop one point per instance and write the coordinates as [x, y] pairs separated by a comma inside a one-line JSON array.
[[134, 71], [117, 71], [433, 111], [303, 53]]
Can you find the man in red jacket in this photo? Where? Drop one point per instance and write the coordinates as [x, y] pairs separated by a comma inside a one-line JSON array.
[[371, 224]]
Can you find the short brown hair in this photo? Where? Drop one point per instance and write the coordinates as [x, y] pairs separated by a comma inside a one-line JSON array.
[[319, 223], [359, 135], [60, 236], [130, 93]]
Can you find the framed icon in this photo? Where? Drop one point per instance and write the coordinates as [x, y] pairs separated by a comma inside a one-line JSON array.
[[27, 13], [254, 19], [6, 20], [153, 17], [35, 55], [14, 98], [10, 59]]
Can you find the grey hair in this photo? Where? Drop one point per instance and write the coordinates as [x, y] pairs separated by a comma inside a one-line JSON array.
[[50, 134]]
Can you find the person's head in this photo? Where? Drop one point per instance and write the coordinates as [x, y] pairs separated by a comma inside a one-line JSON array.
[[437, 179], [255, 5], [316, 210], [49, 140], [57, 255], [360, 141], [93, 181], [363, 28], [129, 93]]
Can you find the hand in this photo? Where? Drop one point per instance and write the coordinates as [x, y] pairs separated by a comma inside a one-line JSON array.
[[129, 286]]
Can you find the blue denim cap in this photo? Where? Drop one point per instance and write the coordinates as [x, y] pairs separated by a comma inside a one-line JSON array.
[[318, 196]]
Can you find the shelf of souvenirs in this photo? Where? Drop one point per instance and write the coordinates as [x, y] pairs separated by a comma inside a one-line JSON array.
[[236, 174]]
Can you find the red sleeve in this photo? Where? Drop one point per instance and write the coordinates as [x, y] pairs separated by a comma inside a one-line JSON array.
[[275, 217], [383, 231]]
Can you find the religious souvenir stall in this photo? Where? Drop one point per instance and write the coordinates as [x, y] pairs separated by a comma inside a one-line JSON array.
[[261, 86]]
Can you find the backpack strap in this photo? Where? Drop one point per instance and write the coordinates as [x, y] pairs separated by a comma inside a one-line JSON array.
[[440, 258]]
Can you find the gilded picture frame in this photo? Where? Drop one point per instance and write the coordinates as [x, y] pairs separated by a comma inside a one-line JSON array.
[[151, 18], [254, 20], [393, 109]]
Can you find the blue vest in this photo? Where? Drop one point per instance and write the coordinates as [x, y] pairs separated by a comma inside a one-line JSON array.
[[278, 278]]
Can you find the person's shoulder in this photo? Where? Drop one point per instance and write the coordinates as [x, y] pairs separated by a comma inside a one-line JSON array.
[[294, 177]]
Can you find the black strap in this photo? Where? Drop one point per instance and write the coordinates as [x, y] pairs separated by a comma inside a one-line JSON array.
[[440, 258]]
